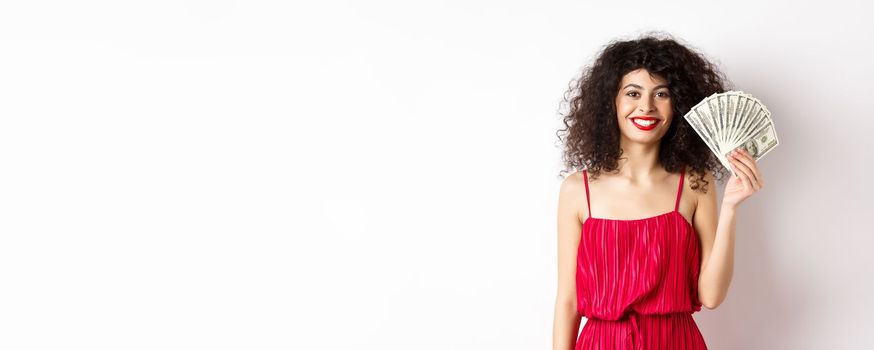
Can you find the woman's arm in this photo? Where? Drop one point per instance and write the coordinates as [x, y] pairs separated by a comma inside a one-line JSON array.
[[717, 247], [566, 323], [717, 238]]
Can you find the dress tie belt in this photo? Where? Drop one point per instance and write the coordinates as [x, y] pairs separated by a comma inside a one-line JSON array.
[[636, 344]]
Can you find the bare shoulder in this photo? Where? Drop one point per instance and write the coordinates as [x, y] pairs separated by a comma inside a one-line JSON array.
[[572, 194], [571, 186], [700, 196]]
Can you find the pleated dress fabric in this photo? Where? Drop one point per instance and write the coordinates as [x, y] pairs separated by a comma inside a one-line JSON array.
[[637, 282]]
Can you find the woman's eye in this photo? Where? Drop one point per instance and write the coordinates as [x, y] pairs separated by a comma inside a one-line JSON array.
[[660, 94]]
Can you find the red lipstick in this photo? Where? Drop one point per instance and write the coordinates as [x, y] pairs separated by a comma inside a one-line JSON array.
[[645, 119]]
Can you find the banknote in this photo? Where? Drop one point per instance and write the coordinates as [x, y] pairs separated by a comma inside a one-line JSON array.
[[760, 144], [733, 120]]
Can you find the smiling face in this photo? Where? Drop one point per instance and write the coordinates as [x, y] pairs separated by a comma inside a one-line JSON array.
[[643, 107]]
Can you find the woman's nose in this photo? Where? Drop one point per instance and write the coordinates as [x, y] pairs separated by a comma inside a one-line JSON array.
[[645, 107]]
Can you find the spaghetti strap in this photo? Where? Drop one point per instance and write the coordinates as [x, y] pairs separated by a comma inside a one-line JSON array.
[[586, 182], [680, 188]]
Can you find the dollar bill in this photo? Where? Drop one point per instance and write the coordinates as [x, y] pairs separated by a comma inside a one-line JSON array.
[[733, 120], [759, 144]]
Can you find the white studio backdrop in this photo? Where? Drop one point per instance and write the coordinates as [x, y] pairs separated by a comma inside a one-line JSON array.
[[384, 175]]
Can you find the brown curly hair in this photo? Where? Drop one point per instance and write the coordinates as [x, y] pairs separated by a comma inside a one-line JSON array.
[[591, 134]]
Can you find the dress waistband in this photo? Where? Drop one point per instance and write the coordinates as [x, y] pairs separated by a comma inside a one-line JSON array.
[[634, 318]]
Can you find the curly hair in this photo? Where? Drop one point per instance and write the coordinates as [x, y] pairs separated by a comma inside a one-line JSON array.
[[591, 134]]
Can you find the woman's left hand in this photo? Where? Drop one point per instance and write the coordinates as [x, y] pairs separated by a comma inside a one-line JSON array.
[[747, 182]]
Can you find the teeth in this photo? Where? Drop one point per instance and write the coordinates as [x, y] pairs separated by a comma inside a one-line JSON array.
[[642, 122]]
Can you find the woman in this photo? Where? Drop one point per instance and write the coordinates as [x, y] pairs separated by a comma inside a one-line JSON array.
[[635, 269]]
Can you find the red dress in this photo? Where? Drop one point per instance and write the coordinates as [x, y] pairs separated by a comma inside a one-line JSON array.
[[637, 282]]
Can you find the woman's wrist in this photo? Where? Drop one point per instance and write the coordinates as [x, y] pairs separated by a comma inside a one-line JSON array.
[[728, 208]]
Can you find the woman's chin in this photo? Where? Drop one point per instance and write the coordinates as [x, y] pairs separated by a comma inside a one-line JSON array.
[[647, 139]]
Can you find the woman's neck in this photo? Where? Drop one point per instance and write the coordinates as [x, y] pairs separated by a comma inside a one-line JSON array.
[[639, 161]]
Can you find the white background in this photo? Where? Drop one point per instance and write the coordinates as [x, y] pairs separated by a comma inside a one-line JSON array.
[[378, 175]]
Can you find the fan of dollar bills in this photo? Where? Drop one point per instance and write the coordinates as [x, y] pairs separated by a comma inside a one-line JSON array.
[[733, 119]]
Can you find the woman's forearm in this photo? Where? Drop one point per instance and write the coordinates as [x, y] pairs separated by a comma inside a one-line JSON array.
[[565, 325], [716, 272]]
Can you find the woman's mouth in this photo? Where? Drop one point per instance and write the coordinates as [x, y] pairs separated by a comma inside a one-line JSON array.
[[645, 123]]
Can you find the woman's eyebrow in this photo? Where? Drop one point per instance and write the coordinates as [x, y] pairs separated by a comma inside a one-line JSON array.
[[640, 87]]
